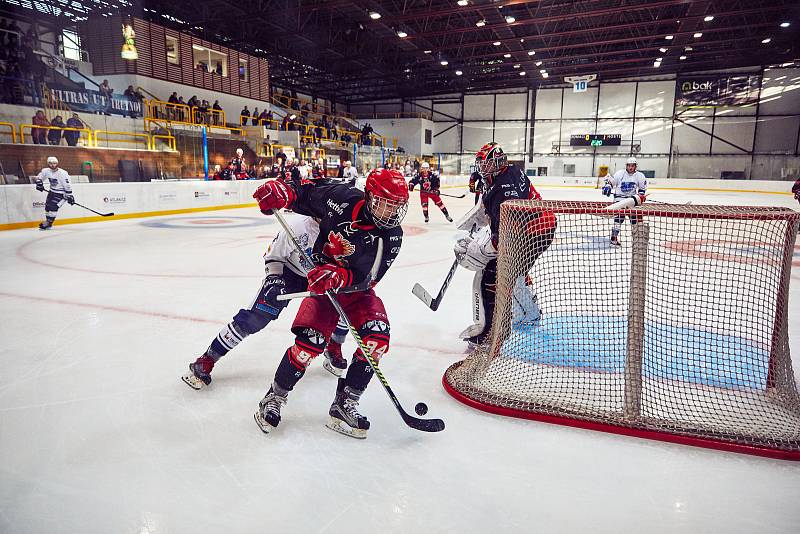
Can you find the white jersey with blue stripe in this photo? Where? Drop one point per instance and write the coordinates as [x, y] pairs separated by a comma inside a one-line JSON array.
[[283, 252], [627, 185], [58, 180]]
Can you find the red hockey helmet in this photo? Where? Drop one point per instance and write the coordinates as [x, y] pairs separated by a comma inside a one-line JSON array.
[[491, 161], [387, 197]]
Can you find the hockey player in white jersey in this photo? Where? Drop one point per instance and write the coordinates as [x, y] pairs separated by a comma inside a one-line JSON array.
[[60, 190], [624, 184], [285, 269]]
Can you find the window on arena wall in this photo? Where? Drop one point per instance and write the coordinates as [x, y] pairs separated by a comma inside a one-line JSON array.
[[428, 136], [244, 73], [210, 60], [173, 55], [72, 45]]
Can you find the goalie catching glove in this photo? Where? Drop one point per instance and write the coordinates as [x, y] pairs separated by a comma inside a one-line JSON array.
[[325, 277], [274, 195], [474, 253]]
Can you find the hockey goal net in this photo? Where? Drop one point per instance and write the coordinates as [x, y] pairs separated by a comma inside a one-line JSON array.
[[679, 334]]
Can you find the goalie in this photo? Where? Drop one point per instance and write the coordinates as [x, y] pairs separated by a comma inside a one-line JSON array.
[[479, 252]]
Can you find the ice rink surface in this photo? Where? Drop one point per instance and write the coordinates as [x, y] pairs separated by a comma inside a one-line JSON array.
[[99, 435]]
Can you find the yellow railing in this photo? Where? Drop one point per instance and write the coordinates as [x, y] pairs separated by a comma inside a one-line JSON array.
[[210, 117], [23, 127], [110, 133], [272, 124], [177, 113], [171, 143], [13, 129], [316, 109]]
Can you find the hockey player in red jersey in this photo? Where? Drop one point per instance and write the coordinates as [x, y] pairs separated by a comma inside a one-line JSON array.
[[354, 227], [428, 182], [479, 252]]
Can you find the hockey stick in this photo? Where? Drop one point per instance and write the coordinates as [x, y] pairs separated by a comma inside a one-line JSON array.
[[452, 196], [425, 425], [424, 296], [84, 207], [361, 286], [670, 203]]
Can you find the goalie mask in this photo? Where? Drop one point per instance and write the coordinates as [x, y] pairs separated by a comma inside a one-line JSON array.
[[387, 197], [491, 161]]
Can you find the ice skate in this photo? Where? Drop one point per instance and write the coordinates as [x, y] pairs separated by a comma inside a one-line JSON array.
[[334, 361], [345, 418], [46, 225], [268, 415], [199, 374]]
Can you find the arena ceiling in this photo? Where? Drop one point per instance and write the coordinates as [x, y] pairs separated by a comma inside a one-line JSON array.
[[339, 48]]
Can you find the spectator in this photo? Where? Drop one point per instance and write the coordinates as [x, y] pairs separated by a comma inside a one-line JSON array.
[[54, 136], [244, 115], [255, 116], [263, 118], [181, 115], [133, 97], [216, 114], [38, 135], [106, 91], [71, 136], [193, 102]]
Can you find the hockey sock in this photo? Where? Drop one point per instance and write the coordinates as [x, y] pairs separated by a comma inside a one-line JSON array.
[[307, 345], [358, 374]]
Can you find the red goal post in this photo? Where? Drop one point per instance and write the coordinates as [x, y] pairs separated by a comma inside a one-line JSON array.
[[680, 334]]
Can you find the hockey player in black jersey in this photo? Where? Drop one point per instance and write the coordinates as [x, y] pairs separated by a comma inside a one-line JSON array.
[[479, 252], [428, 182], [352, 224]]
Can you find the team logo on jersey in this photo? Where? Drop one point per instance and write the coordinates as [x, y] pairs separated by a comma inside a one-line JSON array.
[[338, 247]]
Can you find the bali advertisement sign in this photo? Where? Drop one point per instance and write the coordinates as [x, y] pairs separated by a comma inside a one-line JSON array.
[[714, 90]]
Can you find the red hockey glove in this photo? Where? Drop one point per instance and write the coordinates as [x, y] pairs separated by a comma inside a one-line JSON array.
[[328, 276], [274, 195]]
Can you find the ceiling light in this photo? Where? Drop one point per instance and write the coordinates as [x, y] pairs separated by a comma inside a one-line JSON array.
[[522, 73], [496, 43], [516, 66], [698, 35], [682, 58], [506, 56], [407, 70], [427, 51], [785, 24], [522, 40], [545, 75], [543, 71], [662, 50], [480, 23], [401, 34], [656, 64], [443, 62], [659, 59], [462, 3], [688, 48], [765, 41], [538, 63], [669, 37], [709, 18], [510, 19], [458, 72], [531, 52], [374, 15]]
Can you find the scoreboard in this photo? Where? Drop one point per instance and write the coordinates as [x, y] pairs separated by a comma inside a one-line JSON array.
[[595, 140]]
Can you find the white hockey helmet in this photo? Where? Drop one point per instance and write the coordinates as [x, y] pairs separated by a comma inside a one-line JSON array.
[[239, 152], [348, 163], [52, 160], [425, 165], [631, 161]]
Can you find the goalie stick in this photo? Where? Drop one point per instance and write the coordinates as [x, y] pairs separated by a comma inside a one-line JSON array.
[[110, 214], [424, 296], [425, 425]]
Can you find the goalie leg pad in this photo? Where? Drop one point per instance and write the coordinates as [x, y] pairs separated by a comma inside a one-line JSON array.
[[478, 309]]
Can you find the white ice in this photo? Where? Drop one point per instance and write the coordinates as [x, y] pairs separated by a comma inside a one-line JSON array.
[[99, 435]]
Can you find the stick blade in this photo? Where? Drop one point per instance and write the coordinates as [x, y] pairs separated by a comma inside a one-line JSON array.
[[424, 425], [423, 295]]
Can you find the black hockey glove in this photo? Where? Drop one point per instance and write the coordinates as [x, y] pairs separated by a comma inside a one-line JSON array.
[[39, 185], [70, 199]]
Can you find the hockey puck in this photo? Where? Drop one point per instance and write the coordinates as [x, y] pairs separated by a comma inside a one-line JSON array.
[[421, 408]]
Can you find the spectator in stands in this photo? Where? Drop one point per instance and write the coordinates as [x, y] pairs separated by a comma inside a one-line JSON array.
[[203, 115], [217, 116], [54, 136], [181, 111], [349, 173], [256, 115], [133, 97], [70, 136], [245, 115], [39, 135], [193, 102], [263, 118], [106, 91]]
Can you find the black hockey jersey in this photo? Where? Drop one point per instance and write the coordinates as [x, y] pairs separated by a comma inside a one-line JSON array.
[[428, 183], [347, 235]]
